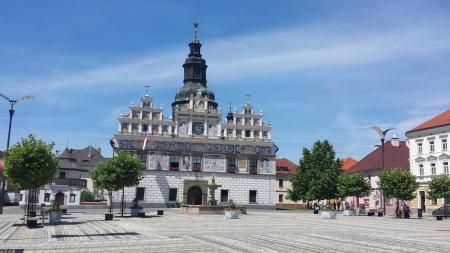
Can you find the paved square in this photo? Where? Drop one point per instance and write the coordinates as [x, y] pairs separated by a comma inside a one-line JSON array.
[[268, 231]]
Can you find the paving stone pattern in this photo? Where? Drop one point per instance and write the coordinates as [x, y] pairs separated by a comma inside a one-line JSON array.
[[267, 231]]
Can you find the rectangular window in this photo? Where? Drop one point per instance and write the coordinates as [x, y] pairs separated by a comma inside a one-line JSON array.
[[62, 174], [173, 194], [174, 163], [142, 158], [21, 197], [224, 196], [253, 165], [431, 146], [239, 133], [252, 196], [140, 193], [280, 198], [155, 129], [434, 202], [135, 115], [421, 173], [433, 169], [445, 167], [135, 127], [47, 197], [144, 128], [247, 133], [231, 165], [444, 144], [146, 115], [72, 198], [419, 148], [196, 163], [280, 183]]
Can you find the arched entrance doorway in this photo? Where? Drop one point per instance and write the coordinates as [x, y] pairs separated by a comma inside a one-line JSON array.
[[194, 196], [59, 198]]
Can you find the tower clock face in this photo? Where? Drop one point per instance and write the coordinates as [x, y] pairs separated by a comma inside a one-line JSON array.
[[198, 128]]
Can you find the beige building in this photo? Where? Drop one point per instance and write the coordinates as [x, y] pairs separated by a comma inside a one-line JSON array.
[[284, 170], [429, 156]]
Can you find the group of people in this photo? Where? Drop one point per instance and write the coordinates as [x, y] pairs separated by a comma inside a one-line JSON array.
[[336, 205]]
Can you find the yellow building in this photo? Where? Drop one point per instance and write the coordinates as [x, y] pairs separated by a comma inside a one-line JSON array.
[[284, 170]]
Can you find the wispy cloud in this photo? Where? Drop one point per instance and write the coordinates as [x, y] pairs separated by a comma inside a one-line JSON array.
[[262, 53]]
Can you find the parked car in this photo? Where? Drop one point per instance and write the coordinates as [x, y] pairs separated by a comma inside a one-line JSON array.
[[443, 211]]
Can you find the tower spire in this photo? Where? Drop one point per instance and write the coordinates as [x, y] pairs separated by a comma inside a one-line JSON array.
[[196, 32]]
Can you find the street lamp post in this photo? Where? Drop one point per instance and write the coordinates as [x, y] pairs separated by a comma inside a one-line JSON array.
[[382, 135], [12, 103]]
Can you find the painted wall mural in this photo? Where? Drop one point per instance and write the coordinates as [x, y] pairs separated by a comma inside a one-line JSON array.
[[215, 163], [267, 165], [158, 162], [199, 147]]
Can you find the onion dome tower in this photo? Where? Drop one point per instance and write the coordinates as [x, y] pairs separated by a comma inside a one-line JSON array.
[[194, 76]]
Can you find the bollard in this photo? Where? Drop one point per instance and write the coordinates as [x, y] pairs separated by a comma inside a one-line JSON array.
[[419, 213]]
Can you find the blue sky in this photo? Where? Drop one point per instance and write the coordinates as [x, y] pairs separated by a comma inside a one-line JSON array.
[[317, 69]]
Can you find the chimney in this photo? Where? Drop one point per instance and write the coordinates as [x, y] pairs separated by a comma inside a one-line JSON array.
[[394, 141], [99, 150]]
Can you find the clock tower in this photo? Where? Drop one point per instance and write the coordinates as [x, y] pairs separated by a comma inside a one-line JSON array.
[[195, 110]]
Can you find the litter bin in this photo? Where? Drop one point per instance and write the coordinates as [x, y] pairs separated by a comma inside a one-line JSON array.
[[419, 213]]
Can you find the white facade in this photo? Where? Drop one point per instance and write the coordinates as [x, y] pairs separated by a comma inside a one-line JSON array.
[[70, 196], [158, 183], [429, 155]]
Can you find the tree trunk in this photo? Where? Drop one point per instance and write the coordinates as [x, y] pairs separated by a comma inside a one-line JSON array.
[[110, 201], [28, 203], [123, 193]]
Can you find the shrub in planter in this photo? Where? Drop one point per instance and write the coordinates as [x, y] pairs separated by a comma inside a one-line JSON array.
[[328, 212], [87, 196], [54, 213], [231, 211]]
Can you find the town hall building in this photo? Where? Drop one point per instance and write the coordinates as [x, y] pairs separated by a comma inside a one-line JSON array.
[[184, 152]]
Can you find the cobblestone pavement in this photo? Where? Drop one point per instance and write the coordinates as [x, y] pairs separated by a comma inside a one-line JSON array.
[[267, 231]]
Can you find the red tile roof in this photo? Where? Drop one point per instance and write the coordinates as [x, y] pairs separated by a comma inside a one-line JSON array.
[[284, 163], [440, 120], [394, 157], [348, 162]]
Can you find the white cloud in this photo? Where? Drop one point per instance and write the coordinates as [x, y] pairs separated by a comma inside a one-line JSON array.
[[257, 54]]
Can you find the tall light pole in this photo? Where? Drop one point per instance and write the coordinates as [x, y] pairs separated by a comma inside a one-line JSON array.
[[12, 103], [382, 134]]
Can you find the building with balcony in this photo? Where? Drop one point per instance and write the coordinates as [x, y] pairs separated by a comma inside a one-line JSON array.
[[429, 156], [72, 177], [184, 151]]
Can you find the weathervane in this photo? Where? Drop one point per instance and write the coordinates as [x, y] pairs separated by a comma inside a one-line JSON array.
[[248, 97], [195, 31], [147, 88]]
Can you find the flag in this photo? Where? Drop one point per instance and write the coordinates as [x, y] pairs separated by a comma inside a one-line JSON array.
[[145, 140]]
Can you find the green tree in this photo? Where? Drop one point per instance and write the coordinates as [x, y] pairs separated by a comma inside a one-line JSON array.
[[353, 185], [316, 177], [30, 164], [123, 170], [439, 187], [399, 184]]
